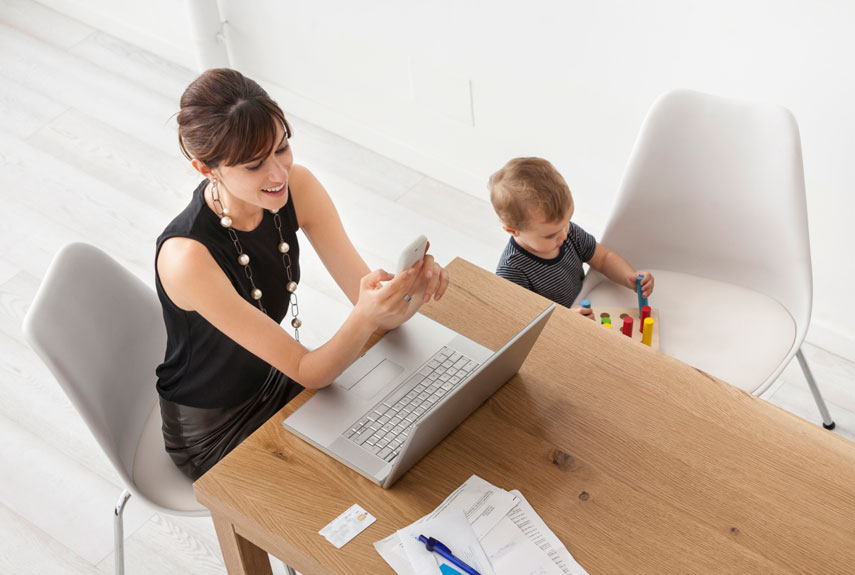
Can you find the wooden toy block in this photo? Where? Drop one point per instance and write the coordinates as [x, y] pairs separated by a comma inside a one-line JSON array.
[[647, 335], [645, 313], [642, 301], [616, 315], [627, 325]]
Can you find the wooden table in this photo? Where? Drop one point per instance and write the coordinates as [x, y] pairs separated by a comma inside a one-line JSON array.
[[639, 463]]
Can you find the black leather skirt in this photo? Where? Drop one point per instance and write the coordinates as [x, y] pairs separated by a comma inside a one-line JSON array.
[[196, 438]]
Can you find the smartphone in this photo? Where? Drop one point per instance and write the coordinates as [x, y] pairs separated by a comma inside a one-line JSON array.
[[411, 254]]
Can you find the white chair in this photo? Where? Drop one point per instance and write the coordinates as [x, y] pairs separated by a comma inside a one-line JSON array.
[[713, 203], [100, 331]]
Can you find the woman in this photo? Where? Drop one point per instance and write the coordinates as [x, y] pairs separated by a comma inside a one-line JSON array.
[[227, 271]]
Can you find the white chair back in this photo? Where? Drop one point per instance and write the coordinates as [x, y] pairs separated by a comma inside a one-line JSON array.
[[715, 187], [100, 331]]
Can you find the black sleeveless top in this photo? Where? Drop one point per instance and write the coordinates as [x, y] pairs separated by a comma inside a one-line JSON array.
[[203, 367]]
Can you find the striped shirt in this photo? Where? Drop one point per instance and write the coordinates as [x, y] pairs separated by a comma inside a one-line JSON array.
[[560, 278]]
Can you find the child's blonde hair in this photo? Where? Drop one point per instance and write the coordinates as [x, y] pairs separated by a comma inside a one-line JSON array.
[[526, 184]]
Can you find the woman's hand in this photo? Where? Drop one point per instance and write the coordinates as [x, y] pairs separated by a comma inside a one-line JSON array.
[[646, 282], [386, 306], [435, 276], [431, 282]]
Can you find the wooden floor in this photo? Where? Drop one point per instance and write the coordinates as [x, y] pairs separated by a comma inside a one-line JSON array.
[[88, 153]]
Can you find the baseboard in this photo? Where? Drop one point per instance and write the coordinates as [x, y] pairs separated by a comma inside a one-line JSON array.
[[292, 102], [831, 339], [365, 135], [115, 27]]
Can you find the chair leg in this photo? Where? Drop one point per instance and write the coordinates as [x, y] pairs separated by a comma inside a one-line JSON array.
[[827, 422], [119, 532], [119, 536]]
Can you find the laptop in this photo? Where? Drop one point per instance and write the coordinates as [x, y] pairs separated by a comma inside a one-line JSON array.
[[404, 395]]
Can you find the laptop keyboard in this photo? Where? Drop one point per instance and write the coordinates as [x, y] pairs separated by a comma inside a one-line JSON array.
[[384, 430]]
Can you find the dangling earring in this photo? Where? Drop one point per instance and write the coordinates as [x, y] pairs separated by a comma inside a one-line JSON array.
[[222, 211]]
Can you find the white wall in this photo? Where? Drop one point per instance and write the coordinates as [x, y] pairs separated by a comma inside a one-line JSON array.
[[454, 88]]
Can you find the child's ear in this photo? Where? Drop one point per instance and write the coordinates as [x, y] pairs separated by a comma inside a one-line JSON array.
[[512, 231]]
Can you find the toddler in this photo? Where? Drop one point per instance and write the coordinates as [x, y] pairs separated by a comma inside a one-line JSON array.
[[546, 250]]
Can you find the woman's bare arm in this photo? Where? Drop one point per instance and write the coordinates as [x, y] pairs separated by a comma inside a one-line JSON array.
[[194, 282]]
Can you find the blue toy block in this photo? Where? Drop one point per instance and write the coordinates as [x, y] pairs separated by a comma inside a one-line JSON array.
[[642, 301]]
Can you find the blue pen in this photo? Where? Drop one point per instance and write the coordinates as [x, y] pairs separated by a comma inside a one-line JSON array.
[[437, 547]]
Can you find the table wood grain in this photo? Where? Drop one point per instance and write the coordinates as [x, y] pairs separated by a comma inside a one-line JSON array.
[[638, 462]]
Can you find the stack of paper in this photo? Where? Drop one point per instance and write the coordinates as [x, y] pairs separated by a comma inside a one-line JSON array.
[[494, 531]]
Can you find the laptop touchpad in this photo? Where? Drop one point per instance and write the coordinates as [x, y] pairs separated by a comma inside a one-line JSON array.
[[373, 381]]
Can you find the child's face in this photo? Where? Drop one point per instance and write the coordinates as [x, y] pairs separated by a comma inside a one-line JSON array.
[[543, 238]]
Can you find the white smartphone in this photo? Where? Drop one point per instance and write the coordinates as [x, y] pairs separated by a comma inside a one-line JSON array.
[[411, 254]]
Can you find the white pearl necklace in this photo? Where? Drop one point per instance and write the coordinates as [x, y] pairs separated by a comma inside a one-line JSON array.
[[243, 258]]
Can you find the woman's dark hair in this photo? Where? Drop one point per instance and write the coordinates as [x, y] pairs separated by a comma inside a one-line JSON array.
[[228, 119]]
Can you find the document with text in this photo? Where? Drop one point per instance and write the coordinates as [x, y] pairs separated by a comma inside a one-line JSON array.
[[511, 534]]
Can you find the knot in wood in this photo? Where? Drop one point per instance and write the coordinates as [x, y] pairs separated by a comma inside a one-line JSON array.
[[564, 461], [279, 455]]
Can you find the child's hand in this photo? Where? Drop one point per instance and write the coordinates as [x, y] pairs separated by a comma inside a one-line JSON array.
[[585, 311], [646, 282]]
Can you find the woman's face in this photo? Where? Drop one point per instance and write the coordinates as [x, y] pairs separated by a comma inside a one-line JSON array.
[[262, 182]]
